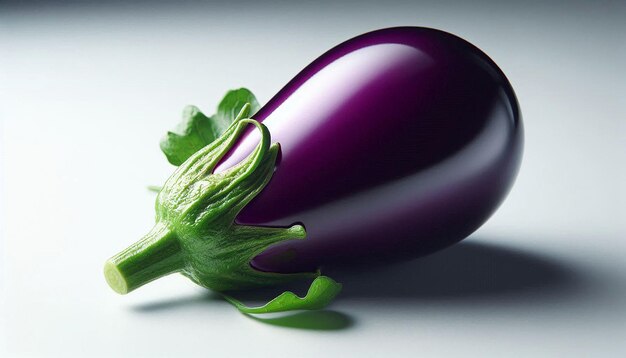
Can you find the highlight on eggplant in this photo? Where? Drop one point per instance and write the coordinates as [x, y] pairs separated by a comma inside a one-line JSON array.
[[393, 144]]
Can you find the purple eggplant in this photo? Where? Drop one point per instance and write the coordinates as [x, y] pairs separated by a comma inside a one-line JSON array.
[[394, 144]]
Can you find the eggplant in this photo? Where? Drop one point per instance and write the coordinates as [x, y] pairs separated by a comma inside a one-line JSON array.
[[394, 144]]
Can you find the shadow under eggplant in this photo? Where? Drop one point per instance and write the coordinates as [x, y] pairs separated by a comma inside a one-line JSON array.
[[468, 271]]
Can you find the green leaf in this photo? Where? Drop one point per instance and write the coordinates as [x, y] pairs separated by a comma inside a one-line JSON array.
[[230, 106], [321, 292], [197, 130]]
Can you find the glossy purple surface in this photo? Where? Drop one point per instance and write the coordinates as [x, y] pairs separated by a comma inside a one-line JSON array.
[[394, 144]]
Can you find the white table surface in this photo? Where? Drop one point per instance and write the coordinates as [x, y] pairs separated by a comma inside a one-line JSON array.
[[86, 91]]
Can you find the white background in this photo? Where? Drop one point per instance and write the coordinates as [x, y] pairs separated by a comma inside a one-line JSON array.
[[86, 92]]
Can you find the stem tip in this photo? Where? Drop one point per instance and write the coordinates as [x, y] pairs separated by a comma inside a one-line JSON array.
[[115, 279]]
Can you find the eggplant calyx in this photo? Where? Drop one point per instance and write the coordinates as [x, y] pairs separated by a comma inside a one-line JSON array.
[[195, 231]]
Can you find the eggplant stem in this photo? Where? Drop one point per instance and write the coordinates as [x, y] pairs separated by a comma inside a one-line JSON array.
[[157, 254]]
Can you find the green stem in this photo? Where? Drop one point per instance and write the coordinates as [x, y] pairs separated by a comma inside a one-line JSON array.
[[157, 254]]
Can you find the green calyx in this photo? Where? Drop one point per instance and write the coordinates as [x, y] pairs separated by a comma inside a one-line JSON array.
[[195, 231]]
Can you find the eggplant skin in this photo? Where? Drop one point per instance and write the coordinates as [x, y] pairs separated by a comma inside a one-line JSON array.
[[395, 144]]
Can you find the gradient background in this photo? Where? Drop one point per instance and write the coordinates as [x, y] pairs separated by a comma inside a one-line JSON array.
[[87, 90]]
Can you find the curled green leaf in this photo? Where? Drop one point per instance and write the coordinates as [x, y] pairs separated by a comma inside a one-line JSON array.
[[321, 292]]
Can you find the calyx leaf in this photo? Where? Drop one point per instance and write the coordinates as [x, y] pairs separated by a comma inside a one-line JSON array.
[[196, 130]]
